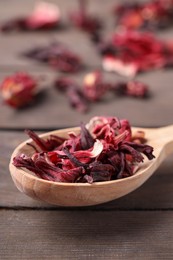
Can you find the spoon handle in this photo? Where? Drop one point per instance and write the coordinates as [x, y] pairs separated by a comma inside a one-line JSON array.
[[161, 138], [165, 137]]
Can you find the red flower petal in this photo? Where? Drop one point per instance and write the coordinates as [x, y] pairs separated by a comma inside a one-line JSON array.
[[18, 90]]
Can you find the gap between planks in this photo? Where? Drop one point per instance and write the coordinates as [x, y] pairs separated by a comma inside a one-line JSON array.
[[21, 208]]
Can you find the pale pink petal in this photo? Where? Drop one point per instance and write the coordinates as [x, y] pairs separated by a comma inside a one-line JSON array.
[[112, 64], [97, 149], [44, 13]]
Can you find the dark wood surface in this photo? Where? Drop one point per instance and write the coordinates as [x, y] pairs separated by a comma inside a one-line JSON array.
[[137, 226], [158, 108]]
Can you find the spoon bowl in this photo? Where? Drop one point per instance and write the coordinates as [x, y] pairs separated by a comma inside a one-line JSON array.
[[85, 194]]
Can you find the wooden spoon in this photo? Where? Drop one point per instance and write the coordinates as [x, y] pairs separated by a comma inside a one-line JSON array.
[[85, 194]]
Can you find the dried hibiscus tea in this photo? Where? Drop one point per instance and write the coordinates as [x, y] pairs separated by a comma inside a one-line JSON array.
[[18, 90], [57, 55], [94, 87], [135, 52], [73, 92], [85, 21], [44, 16], [63, 83], [131, 88], [105, 149], [156, 14], [44, 145], [139, 137], [77, 99]]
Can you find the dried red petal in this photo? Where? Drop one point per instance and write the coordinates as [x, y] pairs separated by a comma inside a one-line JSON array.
[[72, 175], [156, 14], [74, 93], [125, 126], [83, 20], [66, 61], [44, 16], [131, 88], [45, 145], [13, 25], [93, 86], [142, 148], [63, 83], [77, 99], [102, 172], [86, 139], [57, 56], [135, 52], [26, 162], [18, 90]]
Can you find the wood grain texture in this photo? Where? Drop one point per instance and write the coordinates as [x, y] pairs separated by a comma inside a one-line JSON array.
[[137, 226], [52, 109], [86, 235]]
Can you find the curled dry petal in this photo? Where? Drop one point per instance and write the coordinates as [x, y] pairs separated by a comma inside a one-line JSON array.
[[57, 55], [132, 88], [143, 148], [148, 15], [94, 87], [73, 174], [86, 141], [45, 145], [75, 95], [96, 150], [76, 99], [96, 120], [137, 156], [83, 156]]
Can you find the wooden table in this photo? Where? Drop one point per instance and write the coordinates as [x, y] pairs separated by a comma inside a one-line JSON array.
[[137, 226]]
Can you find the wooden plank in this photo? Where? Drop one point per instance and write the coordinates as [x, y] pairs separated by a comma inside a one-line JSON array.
[[54, 106], [12, 44], [156, 193], [86, 235], [12, 56], [52, 110]]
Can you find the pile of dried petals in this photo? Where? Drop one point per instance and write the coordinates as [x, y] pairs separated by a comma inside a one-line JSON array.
[[155, 14], [102, 153], [131, 52], [19, 90], [44, 16], [57, 56], [94, 88]]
